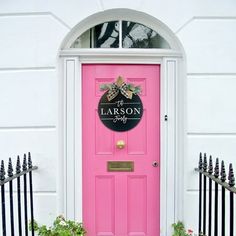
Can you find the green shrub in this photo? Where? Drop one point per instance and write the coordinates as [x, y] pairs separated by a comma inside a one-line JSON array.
[[179, 229], [61, 227]]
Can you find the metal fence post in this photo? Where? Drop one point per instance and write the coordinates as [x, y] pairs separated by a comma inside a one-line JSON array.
[[216, 174], [223, 179], [18, 170], [204, 193], [31, 193], [2, 177], [231, 184], [24, 167], [10, 174], [200, 165], [210, 171]]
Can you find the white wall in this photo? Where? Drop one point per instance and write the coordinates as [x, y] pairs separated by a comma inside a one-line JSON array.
[[30, 37], [211, 109]]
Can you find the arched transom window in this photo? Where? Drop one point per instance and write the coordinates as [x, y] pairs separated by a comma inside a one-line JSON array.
[[120, 34]]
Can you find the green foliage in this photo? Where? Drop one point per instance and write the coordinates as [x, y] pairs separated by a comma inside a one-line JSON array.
[[179, 229], [61, 227], [135, 89], [104, 87]]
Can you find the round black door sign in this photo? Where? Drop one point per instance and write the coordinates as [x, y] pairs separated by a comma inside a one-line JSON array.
[[121, 113]]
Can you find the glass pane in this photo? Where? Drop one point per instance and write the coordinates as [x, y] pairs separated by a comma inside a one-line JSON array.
[[135, 35], [104, 35], [83, 41]]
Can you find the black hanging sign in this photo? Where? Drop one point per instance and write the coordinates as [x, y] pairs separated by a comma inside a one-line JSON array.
[[120, 108]]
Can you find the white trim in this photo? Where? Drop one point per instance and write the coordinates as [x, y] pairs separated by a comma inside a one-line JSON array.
[[110, 52], [78, 139], [171, 68], [70, 167], [171, 131], [163, 153], [69, 161]]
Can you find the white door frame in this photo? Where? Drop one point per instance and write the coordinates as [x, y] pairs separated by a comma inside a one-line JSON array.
[[173, 83]]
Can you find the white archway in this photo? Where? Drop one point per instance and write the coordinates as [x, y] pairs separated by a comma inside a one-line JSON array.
[[127, 15], [173, 79]]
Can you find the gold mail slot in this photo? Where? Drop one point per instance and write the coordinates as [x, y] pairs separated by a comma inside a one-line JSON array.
[[120, 166]]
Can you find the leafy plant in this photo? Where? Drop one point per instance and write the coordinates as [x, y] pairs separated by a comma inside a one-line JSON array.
[[179, 229], [61, 227]]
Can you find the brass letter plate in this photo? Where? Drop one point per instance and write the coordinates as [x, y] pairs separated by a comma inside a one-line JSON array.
[[120, 166]]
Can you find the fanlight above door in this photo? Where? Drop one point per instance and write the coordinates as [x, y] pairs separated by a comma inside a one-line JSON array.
[[120, 34]]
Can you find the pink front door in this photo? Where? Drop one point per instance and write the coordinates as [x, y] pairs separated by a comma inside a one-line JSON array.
[[121, 203]]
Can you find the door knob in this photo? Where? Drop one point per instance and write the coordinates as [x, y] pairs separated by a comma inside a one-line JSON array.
[[155, 164], [120, 144]]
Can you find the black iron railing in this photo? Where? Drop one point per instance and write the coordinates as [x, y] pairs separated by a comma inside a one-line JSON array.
[[209, 201], [26, 173]]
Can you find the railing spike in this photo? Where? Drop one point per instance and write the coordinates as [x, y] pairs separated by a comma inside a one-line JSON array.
[[30, 165], [24, 166], [210, 169], [216, 170], [205, 163], [200, 193], [231, 177], [200, 164], [10, 168], [2, 171], [223, 172], [204, 193], [18, 166], [25, 195]]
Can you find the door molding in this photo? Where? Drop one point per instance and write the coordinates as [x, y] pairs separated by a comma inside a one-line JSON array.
[[173, 86]]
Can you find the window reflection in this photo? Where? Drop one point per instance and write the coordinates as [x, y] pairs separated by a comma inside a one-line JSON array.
[[106, 35], [134, 35]]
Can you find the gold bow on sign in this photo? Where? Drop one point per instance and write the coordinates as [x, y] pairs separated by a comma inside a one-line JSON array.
[[126, 90], [119, 86]]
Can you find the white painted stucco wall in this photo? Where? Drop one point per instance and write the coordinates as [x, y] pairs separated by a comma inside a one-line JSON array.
[[31, 32]]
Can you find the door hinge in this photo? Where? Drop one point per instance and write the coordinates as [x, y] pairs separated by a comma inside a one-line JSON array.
[[166, 118]]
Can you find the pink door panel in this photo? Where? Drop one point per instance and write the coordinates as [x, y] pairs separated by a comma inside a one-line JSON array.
[[121, 203]]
